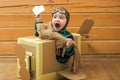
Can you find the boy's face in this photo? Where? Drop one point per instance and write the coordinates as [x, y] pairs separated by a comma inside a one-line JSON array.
[[58, 21]]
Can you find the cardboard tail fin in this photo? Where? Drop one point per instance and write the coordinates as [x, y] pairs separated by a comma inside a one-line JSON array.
[[85, 27]]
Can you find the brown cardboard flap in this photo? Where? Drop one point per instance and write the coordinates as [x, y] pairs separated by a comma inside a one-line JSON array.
[[71, 76], [50, 64], [86, 26]]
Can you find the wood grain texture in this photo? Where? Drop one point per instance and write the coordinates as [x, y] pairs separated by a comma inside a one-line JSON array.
[[99, 33], [24, 7], [88, 47], [101, 47], [95, 67], [17, 20], [11, 34], [101, 20], [7, 48], [49, 9]]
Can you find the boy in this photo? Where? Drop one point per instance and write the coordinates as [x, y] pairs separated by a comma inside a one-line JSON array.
[[60, 19]]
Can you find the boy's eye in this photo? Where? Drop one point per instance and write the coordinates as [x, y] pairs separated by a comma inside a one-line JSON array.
[[61, 17], [54, 17]]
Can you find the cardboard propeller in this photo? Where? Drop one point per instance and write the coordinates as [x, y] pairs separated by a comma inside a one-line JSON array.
[[20, 53]]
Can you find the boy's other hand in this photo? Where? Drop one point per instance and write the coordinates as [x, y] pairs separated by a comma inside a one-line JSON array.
[[69, 42]]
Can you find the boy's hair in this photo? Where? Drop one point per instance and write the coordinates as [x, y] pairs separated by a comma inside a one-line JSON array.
[[62, 11]]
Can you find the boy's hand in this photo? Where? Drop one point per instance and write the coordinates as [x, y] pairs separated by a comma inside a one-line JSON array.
[[38, 18], [69, 42]]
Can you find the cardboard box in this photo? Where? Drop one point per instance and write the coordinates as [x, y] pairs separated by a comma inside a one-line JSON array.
[[42, 63]]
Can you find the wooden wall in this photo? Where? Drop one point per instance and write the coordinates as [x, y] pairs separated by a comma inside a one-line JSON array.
[[17, 20]]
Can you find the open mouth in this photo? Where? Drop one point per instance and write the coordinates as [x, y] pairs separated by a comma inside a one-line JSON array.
[[57, 25]]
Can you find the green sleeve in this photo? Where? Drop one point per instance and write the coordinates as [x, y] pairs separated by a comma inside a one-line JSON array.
[[70, 50]]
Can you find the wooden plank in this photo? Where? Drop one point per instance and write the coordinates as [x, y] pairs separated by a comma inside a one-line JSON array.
[[94, 9], [95, 34], [16, 20], [88, 47], [105, 33], [8, 68], [99, 3], [49, 9], [99, 19], [101, 47], [88, 6], [53, 2], [7, 34], [80, 2], [7, 3], [25, 7], [7, 48], [105, 70], [16, 10], [61, 2], [100, 33], [108, 19]]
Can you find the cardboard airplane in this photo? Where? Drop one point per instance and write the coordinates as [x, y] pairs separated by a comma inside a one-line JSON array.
[[20, 51]]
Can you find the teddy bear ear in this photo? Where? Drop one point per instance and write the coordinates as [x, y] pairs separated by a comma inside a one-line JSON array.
[[46, 26]]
